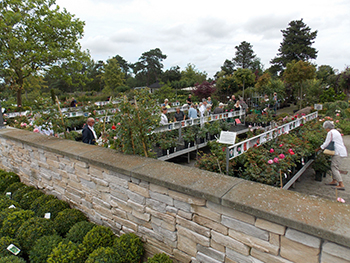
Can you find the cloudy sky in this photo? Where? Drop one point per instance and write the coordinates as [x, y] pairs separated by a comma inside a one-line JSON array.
[[205, 33]]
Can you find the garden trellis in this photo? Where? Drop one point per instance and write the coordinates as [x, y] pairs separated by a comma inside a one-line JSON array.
[[242, 147]]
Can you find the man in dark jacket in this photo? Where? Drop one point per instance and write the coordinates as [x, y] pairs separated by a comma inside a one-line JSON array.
[[89, 135]]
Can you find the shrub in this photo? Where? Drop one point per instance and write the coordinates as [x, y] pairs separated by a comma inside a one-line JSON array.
[[53, 206], [5, 241], [99, 236], [5, 212], [32, 230], [14, 221], [66, 219], [160, 258], [18, 195], [77, 232], [12, 259], [43, 248], [103, 254], [14, 187], [129, 247], [8, 179], [66, 253], [29, 198], [38, 203], [5, 202]]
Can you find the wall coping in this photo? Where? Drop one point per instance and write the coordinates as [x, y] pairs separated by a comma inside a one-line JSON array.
[[323, 218]]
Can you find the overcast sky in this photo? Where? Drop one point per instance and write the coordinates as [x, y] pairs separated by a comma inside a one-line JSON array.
[[205, 33]]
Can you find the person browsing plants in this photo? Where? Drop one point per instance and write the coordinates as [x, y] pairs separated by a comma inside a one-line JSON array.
[[339, 153]]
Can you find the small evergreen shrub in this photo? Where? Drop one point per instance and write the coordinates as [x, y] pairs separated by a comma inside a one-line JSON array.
[[14, 187], [33, 229], [66, 219], [38, 203], [53, 206], [67, 252], [12, 259], [18, 195], [5, 212], [77, 232], [5, 241], [105, 255], [160, 258], [5, 202], [129, 247], [43, 248], [99, 236], [8, 179], [29, 198], [14, 221]]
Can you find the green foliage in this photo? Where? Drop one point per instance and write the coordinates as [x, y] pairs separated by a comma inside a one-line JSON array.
[[43, 248], [18, 195], [14, 221], [29, 198], [77, 232], [322, 163], [38, 203], [5, 202], [105, 255], [14, 187], [99, 236], [244, 55], [5, 241], [67, 252], [53, 206], [329, 95], [159, 258], [129, 247], [33, 229], [66, 219], [113, 75], [7, 179], [12, 259]]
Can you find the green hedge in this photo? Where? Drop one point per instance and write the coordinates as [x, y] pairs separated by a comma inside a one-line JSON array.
[[99, 236], [66, 219], [105, 255], [14, 221], [6, 179], [77, 232], [129, 247], [5, 241], [43, 248], [67, 252], [159, 258]]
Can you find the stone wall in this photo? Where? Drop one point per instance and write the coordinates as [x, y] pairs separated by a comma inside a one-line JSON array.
[[190, 214]]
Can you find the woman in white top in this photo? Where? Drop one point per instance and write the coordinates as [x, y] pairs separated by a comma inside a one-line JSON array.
[[340, 152]]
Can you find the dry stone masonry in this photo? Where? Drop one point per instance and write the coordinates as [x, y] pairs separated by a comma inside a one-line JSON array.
[[190, 214]]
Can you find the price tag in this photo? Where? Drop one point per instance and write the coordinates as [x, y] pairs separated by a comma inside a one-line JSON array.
[[13, 249]]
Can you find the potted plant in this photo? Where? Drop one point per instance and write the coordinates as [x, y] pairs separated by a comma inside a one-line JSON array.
[[321, 166]]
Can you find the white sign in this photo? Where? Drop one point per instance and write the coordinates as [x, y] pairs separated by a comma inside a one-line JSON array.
[[318, 106], [13, 249], [47, 215], [227, 137]]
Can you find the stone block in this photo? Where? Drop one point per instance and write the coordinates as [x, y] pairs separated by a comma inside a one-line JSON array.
[[182, 205], [198, 238], [136, 206], [336, 250], [244, 228], [170, 210], [82, 173], [200, 257], [303, 238], [167, 234], [75, 191], [328, 258], [204, 231], [160, 245], [95, 171], [125, 222], [187, 198], [181, 256], [203, 221], [118, 212], [237, 257], [162, 198], [118, 191], [139, 190], [217, 246], [87, 184], [265, 257], [206, 212], [156, 205], [139, 221], [185, 214], [270, 226], [254, 242], [298, 252], [139, 199], [229, 242], [100, 202], [158, 189], [164, 217], [99, 181], [150, 233], [187, 245], [224, 210], [121, 204], [211, 253], [163, 224], [274, 239], [102, 210], [143, 216]]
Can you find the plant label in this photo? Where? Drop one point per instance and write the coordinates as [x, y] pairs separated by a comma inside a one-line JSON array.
[[47, 215], [13, 249]]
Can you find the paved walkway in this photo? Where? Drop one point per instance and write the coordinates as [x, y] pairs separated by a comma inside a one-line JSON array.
[[308, 185]]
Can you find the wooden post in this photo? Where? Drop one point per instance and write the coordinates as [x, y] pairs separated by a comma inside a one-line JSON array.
[[281, 179]]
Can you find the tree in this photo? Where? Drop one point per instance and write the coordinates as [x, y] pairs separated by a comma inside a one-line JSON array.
[[228, 67], [244, 55], [35, 34], [149, 66], [296, 45], [205, 89], [244, 77], [113, 76], [124, 65], [192, 75], [297, 72], [172, 74]]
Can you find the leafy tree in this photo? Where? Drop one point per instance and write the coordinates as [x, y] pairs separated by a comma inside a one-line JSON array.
[[35, 34], [172, 74], [244, 55], [244, 78], [228, 67], [124, 65], [296, 45], [226, 85], [95, 72], [113, 76], [192, 75], [149, 66], [165, 92], [345, 80], [263, 82], [205, 89], [324, 73], [297, 72]]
